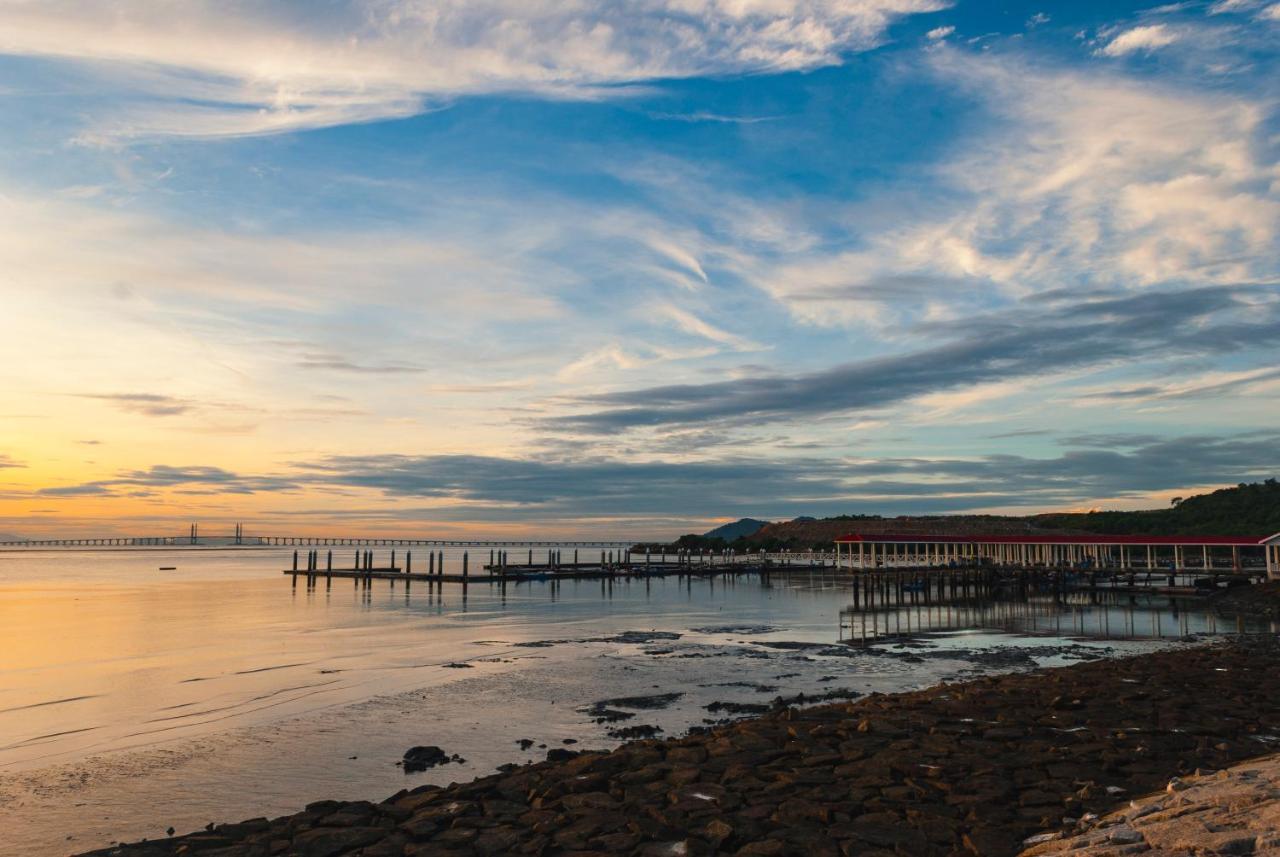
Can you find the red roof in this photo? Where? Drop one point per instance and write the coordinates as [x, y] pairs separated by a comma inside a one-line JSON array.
[[924, 538]]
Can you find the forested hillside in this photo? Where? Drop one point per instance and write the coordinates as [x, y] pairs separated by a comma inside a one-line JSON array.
[[1245, 510]]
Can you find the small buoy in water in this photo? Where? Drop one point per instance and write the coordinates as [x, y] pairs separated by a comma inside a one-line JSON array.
[[168, 568]]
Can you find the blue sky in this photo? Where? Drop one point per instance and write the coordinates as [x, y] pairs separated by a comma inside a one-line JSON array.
[[631, 267]]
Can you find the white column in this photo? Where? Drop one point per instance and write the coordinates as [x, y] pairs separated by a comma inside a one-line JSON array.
[[1204, 549]]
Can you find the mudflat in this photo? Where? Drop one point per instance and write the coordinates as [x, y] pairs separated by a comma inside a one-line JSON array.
[[971, 768]]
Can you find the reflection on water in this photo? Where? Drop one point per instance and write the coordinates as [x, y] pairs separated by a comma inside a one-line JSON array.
[[1095, 615], [133, 698]]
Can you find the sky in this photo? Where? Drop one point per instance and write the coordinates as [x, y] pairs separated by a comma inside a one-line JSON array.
[[630, 268]]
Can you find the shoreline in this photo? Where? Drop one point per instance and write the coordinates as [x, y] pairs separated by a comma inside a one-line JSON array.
[[971, 768], [1213, 814]]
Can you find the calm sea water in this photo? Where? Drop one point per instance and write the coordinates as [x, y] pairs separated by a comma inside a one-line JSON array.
[[133, 699]]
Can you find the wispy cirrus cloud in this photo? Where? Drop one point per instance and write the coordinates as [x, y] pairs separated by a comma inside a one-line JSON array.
[[1085, 179], [690, 323], [211, 70], [337, 363], [147, 404], [1144, 39]]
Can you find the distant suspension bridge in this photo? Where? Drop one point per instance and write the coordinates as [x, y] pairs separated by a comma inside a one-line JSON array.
[[239, 538]]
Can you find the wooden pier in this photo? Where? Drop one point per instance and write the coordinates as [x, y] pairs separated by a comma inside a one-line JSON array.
[[611, 564], [927, 583]]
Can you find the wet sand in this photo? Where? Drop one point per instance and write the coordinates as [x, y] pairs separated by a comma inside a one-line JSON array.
[[975, 767]]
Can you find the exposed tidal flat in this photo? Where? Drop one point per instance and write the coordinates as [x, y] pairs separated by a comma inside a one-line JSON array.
[[135, 700]]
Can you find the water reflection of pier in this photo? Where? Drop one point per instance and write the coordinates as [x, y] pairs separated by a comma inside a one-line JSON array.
[[891, 606]]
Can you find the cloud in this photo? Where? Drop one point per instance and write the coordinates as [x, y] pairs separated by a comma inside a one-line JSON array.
[[205, 479], [999, 348], [1251, 382], [938, 33], [690, 323], [707, 116], [219, 69], [8, 462], [147, 404], [1114, 440], [1074, 180], [335, 363], [1021, 433], [1223, 6], [1146, 39], [494, 488], [88, 489]]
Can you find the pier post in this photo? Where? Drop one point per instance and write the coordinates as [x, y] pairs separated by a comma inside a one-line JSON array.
[[408, 562], [393, 561], [464, 566], [295, 561]]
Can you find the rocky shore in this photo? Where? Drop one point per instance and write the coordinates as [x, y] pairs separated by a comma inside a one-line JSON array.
[[973, 768], [1213, 814]]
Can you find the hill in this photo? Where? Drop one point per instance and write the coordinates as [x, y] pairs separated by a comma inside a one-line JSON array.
[[1245, 510], [737, 530], [822, 533]]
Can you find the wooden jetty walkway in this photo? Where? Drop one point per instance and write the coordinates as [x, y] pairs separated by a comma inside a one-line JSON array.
[[499, 569], [897, 585], [1053, 550]]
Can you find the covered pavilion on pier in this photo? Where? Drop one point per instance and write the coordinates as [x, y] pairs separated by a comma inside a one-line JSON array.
[[913, 550]]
